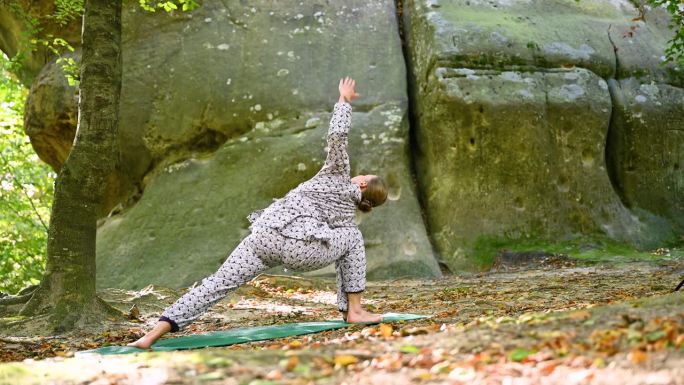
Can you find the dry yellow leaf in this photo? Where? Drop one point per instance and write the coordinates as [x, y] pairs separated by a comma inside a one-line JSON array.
[[580, 315], [345, 359], [424, 376], [292, 363], [636, 356], [386, 330], [679, 342]]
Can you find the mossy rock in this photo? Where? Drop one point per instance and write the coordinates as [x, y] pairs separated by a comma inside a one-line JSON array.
[[193, 213], [646, 151]]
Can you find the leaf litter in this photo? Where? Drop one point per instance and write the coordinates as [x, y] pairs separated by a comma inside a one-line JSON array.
[[568, 324]]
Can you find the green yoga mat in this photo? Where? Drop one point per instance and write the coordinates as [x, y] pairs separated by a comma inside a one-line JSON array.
[[242, 335]]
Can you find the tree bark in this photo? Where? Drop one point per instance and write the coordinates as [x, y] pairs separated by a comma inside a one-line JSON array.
[[67, 290]]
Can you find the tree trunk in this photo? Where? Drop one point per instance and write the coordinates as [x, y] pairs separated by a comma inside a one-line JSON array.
[[67, 290]]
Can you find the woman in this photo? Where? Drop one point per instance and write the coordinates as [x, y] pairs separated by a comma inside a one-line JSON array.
[[311, 227]]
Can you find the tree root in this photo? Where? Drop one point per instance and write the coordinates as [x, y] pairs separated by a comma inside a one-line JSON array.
[[22, 297], [59, 316], [15, 299]]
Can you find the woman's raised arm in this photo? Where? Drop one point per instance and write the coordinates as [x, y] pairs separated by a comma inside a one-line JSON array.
[[337, 161]]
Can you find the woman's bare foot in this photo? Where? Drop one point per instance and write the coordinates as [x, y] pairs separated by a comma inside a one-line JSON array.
[[361, 315], [142, 343], [146, 341]]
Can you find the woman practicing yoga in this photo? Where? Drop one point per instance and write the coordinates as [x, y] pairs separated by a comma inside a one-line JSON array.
[[311, 227]]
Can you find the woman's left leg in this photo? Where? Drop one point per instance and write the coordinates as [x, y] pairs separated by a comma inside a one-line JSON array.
[[240, 267]]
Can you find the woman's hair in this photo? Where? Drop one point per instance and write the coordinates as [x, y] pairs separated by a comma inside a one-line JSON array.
[[374, 195]]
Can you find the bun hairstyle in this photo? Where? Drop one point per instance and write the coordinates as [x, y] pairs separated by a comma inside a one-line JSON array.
[[374, 195], [365, 205]]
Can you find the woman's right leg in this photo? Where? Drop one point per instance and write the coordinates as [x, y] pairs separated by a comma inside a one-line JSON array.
[[346, 248], [240, 267]]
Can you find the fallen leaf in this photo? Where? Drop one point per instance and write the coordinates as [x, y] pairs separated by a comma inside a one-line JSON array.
[[345, 359], [211, 376], [386, 330], [274, 374], [409, 349], [290, 363], [580, 315], [519, 355], [637, 356], [547, 367], [134, 313]]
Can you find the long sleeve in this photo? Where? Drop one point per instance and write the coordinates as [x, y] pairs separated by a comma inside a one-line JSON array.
[[337, 161]]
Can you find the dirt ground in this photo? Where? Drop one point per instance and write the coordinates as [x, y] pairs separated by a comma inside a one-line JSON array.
[[557, 322]]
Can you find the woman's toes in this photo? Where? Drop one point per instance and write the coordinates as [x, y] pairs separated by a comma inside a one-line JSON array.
[[140, 344]]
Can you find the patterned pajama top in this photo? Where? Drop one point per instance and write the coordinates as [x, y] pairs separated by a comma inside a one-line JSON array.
[[326, 201]]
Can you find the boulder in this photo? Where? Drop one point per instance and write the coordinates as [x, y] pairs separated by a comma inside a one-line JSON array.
[[512, 112], [545, 120], [226, 107], [646, 151], [193, 213]]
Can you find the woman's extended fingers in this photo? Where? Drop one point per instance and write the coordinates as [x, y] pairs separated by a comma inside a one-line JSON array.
[[346, 87]]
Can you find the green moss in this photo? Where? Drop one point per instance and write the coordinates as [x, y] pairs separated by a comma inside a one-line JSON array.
[[9, 320], [591, 249], [533, 46]]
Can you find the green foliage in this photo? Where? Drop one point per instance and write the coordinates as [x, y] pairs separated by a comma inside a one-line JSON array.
[[168, 6], [675, 50], [519, 354], [26, 191], [60, 47], [67, 10]]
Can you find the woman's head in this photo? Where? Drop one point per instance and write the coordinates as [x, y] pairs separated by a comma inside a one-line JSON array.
[[373, 191]]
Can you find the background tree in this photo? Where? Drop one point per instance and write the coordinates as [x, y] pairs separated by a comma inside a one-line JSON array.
[[67, 290], [26, 190]]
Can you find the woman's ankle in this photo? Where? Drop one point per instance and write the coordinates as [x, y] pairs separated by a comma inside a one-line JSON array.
[[358, 310]]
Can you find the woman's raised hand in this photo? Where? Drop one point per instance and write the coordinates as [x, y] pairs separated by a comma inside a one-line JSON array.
[[346, 88]]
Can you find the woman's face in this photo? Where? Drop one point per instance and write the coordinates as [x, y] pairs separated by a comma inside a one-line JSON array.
[[362, 180]]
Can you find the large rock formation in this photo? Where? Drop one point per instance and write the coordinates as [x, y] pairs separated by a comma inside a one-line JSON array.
[[532, 119], [227, 107], [646, 150], [512, 115]]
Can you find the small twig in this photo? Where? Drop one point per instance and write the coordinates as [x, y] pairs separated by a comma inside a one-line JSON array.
[[679, 286]]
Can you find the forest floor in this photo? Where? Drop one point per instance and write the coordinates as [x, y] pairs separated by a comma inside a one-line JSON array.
[[556, 321]]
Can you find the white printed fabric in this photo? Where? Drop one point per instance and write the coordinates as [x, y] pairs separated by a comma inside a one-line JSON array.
[[309, 228]]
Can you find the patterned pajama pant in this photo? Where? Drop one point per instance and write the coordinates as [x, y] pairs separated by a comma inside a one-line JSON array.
[[265, 248]]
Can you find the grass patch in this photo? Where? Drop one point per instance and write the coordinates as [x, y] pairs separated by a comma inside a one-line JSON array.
[[587, 249]]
